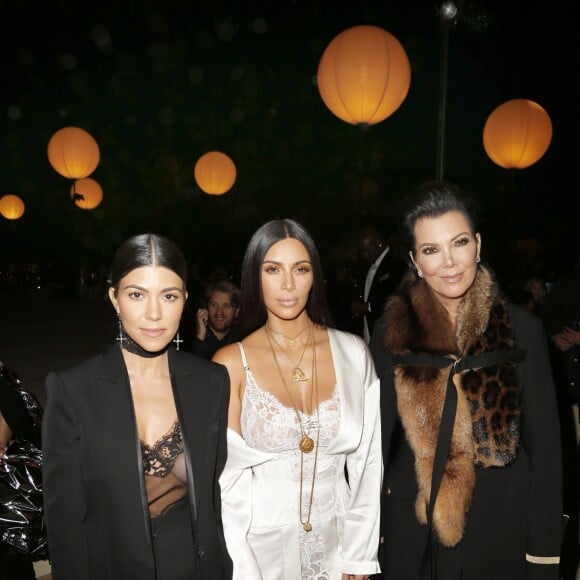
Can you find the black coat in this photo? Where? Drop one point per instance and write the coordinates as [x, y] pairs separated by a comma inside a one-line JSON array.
[[515, 510], [95, 500], [211, 344]]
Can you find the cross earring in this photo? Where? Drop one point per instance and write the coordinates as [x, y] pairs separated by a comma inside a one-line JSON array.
[[121, 336], [177, 340]]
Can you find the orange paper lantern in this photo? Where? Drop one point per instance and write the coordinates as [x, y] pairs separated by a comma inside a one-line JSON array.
[[215, 173], [11, 207], [517, 134], [364, 75], [86, 193], [73, 152]]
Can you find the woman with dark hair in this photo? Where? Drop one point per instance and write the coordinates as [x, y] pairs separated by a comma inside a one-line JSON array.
[[301, 487], [473, 483], [135, 439], [254, 312]]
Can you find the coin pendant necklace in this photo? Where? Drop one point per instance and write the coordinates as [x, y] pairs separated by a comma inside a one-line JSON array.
[[306, 525], [306, 444]]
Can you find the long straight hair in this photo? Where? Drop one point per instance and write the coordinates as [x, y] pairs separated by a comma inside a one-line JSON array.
[[253, 312]]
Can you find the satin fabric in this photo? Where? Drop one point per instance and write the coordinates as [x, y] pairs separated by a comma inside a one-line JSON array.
[[260, 516]]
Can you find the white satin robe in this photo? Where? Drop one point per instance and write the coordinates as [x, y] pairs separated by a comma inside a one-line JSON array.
[[250, 504]]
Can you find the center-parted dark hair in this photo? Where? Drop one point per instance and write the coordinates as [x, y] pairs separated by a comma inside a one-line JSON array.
[[146, 250], [433, 199], [252, 310]]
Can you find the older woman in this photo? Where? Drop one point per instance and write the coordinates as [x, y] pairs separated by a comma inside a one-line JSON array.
[[469, 418]]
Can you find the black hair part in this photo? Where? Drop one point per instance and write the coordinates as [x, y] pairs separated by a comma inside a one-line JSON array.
[[146, 250]]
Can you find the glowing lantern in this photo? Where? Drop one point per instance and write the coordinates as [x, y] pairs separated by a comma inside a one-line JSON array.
[[215, 173], [73, 152], [364, 75], [517, 134], [11, 207], [86, 193]]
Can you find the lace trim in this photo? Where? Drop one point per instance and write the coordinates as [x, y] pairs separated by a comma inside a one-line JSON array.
[[159, 458]]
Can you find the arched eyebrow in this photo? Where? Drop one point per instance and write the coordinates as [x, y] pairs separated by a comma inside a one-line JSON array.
[[145, 290], [277, 263], [466, 233]]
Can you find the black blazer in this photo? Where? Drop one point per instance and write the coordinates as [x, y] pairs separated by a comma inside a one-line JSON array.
[[95, 500], [527, 493]]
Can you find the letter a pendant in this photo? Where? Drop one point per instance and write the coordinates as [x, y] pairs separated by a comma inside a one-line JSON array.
[[298, 375]]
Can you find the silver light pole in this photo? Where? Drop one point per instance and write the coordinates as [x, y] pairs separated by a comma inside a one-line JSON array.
[[451, 14], [447, 15]]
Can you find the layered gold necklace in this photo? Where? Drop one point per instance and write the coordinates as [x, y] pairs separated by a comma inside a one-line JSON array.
[[298, 374], [306, 443], [292, 342]]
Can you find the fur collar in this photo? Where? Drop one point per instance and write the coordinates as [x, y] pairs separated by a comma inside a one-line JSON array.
[[418, 322], [486, 429]]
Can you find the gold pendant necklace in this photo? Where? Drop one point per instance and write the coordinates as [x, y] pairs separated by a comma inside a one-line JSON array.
[[298, 374], [306, 444]]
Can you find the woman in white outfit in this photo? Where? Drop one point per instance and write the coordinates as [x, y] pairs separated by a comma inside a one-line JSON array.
[[301, 487]]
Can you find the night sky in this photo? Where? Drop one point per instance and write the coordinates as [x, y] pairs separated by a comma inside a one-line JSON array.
[[158, 84]]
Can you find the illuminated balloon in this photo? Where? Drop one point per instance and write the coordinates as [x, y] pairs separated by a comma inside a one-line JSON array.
[[215, 173], [364, 75], [73, 152], [517, 134], [11, 207]]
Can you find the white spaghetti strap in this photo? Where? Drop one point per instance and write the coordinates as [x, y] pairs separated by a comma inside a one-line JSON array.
[[243, 353]]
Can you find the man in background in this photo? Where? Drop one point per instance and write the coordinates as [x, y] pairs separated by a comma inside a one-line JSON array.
[[381, 276], [215, 324]]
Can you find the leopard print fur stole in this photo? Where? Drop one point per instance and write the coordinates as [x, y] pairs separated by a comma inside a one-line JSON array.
[[486, 432]]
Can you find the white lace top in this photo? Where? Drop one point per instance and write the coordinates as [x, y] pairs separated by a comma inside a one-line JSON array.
[[270, 426]]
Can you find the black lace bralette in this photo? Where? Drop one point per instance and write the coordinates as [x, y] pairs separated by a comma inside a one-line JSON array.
[[159, 458]]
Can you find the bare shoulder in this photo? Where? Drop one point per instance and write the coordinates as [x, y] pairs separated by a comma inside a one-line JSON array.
[[227, 355], [231, 356]]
